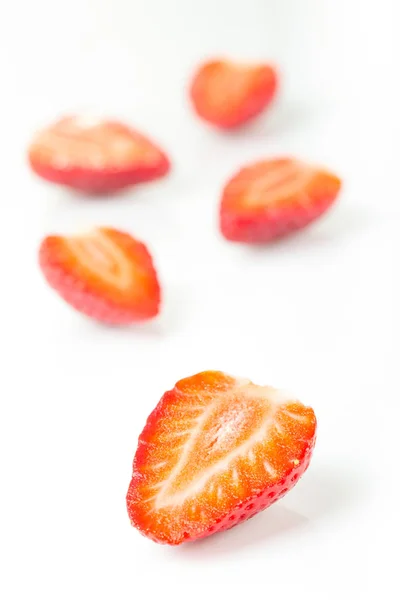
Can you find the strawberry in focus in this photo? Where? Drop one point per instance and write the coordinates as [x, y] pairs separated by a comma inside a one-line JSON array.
[[214, 452], [95, 156], [272, 198], [228, 94], [105, 274]]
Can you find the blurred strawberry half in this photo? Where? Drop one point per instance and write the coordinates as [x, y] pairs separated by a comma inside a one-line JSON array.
[[95, 156], [216, 451], [105, 274], [228, 94], [273, 198]]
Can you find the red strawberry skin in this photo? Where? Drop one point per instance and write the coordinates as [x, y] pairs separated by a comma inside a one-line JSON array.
[[172, 502], [99, 183], [229, 95], [91, 294], [95, 157], [273, 216]]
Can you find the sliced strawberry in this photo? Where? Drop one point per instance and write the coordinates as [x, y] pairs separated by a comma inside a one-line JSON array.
[[228, 94], [95, 156], [105, 274], [272, 198], [214, 452]]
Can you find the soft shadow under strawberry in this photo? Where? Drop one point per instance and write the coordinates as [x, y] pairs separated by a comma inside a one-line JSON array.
[[324, 493]]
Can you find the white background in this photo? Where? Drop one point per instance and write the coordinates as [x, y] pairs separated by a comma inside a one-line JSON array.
[[316, 314]]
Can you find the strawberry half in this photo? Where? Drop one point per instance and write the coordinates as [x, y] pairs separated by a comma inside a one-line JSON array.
[[228, 94], [216, 451], [272, 198], [95, 156], [105, 274]]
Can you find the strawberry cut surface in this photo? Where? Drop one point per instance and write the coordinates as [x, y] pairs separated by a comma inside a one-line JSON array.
[[228, 94], [105, 274], [270, 199], [95, 156], [216, 451]]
